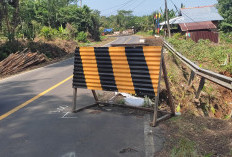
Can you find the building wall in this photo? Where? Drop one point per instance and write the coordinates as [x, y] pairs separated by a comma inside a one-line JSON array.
[[204, 34]]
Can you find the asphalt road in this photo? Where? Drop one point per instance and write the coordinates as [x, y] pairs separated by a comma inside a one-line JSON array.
[[35, 119]]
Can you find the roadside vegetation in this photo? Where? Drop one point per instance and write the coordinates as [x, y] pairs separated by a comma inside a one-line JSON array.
[[204, 127], [206, 54], [145, 34], [27, 21], [55, 27], [191, 136], [126, 20]]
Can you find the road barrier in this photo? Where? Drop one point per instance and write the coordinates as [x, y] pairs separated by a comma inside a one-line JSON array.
[[204, 74], [133, 70]]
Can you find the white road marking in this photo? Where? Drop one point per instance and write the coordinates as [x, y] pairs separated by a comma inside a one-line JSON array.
[[59, 109], [148, 137], [65, 115], [71, 154]]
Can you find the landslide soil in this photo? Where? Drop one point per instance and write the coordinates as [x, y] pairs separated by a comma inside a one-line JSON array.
[[215, 101], [205, 126]]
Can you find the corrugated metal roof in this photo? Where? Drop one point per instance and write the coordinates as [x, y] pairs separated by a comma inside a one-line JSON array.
[[197, 26], [175, 20], [197, 14], [200, 14]]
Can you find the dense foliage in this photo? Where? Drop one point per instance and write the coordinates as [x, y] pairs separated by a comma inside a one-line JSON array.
[[62, 18], [225, 9], [28, 18], [205, 53], [126, 20]]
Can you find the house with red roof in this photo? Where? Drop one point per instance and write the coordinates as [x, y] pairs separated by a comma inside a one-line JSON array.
[[198, 23]]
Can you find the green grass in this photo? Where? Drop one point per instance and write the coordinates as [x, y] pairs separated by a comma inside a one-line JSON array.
[[88, 43], [176, 118], [205, 53], [122, 101], [183, 148], [145, 34]]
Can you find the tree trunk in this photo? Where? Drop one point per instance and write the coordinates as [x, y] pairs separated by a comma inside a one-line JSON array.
[[11, 25]]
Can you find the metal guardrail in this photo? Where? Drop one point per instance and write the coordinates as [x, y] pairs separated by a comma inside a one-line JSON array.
[[205, 74]]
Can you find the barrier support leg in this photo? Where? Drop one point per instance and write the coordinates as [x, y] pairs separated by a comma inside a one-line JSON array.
[[74, 110], [155, 115], [95, 95], [153, 123], [74, 99]]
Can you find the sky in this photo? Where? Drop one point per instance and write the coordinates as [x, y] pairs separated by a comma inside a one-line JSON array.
[[141, 7]]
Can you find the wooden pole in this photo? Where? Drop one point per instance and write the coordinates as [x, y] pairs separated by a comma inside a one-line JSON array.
[[167, 19]]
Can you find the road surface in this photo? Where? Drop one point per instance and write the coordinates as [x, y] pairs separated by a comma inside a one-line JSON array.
[[35, 118]]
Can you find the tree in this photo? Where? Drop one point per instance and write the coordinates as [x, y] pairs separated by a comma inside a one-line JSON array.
[[225, 9], [123, 18], [10, 16], [95, 25], [27, 17]]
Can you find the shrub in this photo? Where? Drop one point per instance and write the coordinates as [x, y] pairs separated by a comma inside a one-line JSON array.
[[211, 56], [82, 36], [150, 32], [63, 33], [10, 47], [102, 38], [71, 30], [48, 32], [178, 36], [226, 37]]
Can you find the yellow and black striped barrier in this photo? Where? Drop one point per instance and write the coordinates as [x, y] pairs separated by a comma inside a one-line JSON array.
[[134, 70]]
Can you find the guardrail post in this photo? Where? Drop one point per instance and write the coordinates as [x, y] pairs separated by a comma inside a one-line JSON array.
[[201, 85], [192, 75], [170, 100]]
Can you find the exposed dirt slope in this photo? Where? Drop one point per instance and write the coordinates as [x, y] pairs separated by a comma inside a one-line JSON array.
[[205, 127], [215, 101], [192, 136]]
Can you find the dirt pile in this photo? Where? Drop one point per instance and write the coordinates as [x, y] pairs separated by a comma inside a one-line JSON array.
[[154, 41], [53, 49], [197, 132], [215, 101], [189, 135]]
